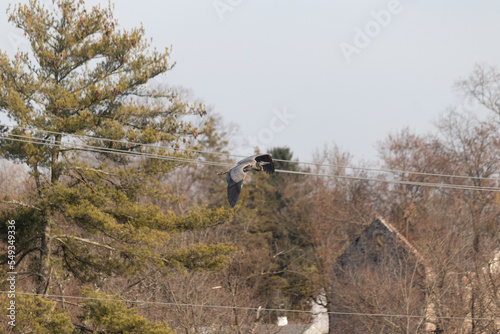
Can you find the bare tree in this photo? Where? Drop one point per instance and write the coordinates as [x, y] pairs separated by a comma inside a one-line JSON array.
[[482, 86]]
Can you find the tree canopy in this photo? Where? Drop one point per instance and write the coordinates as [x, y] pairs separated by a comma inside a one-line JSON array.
[[94, 214]]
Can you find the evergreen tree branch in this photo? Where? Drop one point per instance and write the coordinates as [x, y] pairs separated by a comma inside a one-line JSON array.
[[87, 241]]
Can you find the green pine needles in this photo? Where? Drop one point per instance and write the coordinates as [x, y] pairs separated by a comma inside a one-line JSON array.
[[94, 215]]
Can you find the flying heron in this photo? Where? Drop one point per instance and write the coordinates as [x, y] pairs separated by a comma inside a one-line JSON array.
[[236, 175]]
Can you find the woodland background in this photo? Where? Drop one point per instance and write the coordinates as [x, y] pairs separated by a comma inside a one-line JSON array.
[[112, 183]]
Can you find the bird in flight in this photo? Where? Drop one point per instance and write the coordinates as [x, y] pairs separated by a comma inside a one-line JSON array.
[[237, 174]]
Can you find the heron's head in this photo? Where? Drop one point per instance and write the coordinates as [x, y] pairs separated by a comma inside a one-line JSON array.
[[254, 165]]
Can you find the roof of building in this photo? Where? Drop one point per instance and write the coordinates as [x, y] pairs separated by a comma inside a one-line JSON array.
[[378, 226], [399, 236]]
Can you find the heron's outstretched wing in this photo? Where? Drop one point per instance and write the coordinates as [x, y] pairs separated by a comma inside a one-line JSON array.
[[246, 160], [234, 179], [266, 161]]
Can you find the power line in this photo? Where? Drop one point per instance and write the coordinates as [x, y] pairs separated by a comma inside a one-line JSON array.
[[91, 148], [412, 183], [123, 141], [381, 170], [246, 308], [393, 171], [186, 160], [84, 147]]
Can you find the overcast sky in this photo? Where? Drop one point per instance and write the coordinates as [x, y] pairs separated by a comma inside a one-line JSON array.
[[305, 73]]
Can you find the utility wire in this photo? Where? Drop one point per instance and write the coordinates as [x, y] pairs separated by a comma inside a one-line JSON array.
[[84, 147], [246, 308], [91, 148], [412, 183], [124, 141], [381, 170]]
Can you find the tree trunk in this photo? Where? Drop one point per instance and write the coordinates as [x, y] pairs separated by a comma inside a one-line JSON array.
[[55, 159], [44, 268], [44, 265]]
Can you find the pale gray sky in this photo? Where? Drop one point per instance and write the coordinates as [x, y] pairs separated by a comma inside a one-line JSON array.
[[255, 61]]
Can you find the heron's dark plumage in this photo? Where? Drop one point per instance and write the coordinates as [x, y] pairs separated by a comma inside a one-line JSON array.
[[269, 163], [233, 190], [236, 175]]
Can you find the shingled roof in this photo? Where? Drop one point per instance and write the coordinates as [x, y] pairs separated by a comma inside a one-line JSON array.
[[379, 227]]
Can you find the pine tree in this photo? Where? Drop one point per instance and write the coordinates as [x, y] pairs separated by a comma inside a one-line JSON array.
[[87, 122]]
